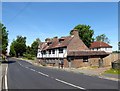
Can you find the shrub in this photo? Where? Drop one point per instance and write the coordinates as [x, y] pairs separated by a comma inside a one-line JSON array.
[[28, 56]]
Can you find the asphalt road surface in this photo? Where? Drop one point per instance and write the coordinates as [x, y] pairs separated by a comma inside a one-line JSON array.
[[23, 75]]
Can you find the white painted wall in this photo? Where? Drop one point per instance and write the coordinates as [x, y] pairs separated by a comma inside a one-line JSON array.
[[56, 55], [103, 49]]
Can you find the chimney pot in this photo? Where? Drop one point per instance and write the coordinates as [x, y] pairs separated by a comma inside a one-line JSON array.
[[75, 32]]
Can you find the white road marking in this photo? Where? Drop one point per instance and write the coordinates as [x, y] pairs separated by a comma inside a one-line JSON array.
[[43, 74], [6, 85], [26, 67], [70, 84], [32, 69], [54, 78]]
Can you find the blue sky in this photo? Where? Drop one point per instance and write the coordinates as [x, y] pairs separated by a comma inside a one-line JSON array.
[[49, 19]]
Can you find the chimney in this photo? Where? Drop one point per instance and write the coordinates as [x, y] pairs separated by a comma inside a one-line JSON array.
[[55, 37], [75, 32], [47, 40]]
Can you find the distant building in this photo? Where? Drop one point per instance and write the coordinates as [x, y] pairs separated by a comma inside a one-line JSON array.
[[70, 50], [101, 46]]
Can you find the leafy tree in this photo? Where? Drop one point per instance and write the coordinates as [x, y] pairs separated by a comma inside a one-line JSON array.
[[102, 38], [119, 45], [18, 46], [85, 33], [12, 50], [4, 38], [28, 50], [34, 46]]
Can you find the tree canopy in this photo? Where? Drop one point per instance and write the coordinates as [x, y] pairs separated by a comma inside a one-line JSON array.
[[4, 38], [34, 46], [12, 50], [102, 38], [85, 33], [119, 45], [18, 46]]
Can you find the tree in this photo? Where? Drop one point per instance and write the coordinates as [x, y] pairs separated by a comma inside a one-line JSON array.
[[28, 50], [4, 38], [102, 38], [12, 50], [18, 46], [34, 47], [85, 33], [119, 45]]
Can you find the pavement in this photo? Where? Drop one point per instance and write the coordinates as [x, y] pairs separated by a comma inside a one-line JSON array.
[[2, 74], [24, 75]]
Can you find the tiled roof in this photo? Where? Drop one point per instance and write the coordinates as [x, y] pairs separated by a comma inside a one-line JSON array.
[[54, 43], [87, 53], [99, 44]]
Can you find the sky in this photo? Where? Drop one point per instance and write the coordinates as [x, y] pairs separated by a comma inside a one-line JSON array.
[[49, 19]]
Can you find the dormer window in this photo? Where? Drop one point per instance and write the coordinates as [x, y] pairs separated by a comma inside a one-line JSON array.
[[49, 43], [61, 40]]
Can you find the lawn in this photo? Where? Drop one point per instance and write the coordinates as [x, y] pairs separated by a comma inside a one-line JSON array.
[[113, 71]]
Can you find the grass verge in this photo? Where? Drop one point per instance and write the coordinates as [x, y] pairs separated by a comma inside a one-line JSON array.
[[113, 71]]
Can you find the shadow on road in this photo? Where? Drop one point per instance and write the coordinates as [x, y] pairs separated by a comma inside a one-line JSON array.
[[8, 62]]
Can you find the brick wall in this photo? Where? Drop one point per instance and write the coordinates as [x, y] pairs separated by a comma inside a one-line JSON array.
[[77, 63], [94, 61], [112, 57]]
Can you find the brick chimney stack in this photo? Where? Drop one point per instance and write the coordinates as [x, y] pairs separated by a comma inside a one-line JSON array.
[[75, 32], [47, 40]]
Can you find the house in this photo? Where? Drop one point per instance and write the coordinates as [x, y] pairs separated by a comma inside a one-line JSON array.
[[101, 46], [70, 50]]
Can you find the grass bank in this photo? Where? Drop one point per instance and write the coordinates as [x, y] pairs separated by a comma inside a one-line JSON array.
[[113, 71]]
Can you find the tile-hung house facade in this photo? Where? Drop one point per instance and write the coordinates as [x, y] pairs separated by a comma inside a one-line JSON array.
[[70, 50]]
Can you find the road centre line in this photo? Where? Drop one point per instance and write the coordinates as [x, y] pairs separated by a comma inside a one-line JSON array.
[[70, 84]]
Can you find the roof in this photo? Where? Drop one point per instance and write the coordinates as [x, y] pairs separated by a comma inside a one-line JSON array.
[[87, 53], [99, 44], [55, 43]]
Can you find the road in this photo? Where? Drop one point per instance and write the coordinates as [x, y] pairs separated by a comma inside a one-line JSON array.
[[23, 75]]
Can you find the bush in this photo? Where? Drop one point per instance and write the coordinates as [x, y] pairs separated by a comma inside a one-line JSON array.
[[28, 56], [116, 64]]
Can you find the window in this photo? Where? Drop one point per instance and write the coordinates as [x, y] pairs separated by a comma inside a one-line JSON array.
[[49, 51], [61, 50], [105, 48], [85, 59], [44, 52], [53, 51]]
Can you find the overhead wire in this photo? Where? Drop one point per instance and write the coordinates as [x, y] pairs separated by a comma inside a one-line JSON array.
[[18, 14]]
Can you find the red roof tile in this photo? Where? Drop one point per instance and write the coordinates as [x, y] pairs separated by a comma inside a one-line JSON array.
[[87, 53], [99, 44], [55, 43]]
